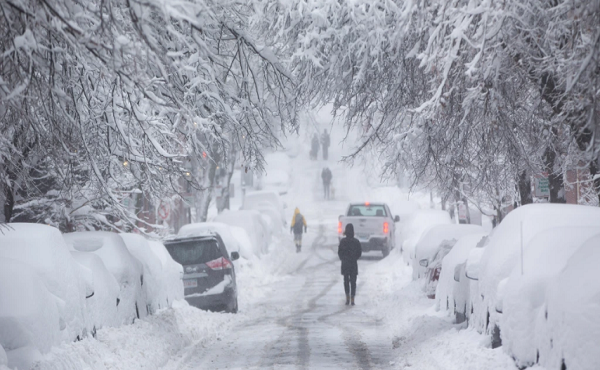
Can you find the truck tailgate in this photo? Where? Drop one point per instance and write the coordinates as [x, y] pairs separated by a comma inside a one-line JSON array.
[[365, 226]]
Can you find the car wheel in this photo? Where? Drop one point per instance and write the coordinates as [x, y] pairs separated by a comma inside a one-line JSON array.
[[385, 251]]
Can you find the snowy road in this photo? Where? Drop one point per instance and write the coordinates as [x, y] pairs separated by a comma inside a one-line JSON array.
[[304, 325]]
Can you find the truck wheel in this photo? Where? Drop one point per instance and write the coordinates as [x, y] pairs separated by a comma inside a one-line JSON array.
[[385, 250]]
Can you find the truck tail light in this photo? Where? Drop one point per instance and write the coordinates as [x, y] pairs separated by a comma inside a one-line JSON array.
[[386, 227], [340, 227]]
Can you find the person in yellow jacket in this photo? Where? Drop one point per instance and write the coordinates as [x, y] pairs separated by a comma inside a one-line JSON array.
[[298, 225]]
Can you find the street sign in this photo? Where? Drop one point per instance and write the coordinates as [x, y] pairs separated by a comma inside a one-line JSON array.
[[164, 210], [542, 187], [462, 212]]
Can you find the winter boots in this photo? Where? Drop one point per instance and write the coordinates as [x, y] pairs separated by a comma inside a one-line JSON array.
[[347, 299], [352, 301]]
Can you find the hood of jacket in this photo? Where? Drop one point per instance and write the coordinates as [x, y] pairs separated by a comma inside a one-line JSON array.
[[349, 232]]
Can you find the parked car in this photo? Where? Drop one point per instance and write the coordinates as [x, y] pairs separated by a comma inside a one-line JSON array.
[[42, 248], [503, 252], [414, 227], [263, 200], [126, 269], [433, 246], [522, 316], [172, 272], [453, 289], [154, 284], [251, 221], [209, 275], [374, 226]]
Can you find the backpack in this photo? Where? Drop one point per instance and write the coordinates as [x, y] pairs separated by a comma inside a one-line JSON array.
[[298, 224]]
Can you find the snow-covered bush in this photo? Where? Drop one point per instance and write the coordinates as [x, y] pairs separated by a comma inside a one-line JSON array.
[[172, 272], [452, 292], [102, 306], [503, 250], [43, 249], [523, 317], [416, 225], [127, 270], [156, 293], [252, 222], [30, 323], [572, 316]]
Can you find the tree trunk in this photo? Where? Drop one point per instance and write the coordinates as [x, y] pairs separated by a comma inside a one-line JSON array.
[[555, 179], [525, 188], [207, 190]]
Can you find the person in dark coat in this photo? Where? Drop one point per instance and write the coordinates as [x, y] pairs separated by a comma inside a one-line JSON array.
[[326, 176], [325, 141], [349, 252]]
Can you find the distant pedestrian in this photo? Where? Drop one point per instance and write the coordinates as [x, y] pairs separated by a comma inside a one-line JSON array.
[[349, 252], [314, 147], [325, 141], [326, 176], [298, 225]]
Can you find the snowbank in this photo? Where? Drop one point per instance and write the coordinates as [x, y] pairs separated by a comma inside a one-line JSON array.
[[502, 252], [43, 249], [29, 318], [150, 343], [127, 270]]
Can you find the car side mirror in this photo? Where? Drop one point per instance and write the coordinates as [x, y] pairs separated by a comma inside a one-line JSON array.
[[471, 274], [457, 270], [235, 256], [397, 218], [424, 262]]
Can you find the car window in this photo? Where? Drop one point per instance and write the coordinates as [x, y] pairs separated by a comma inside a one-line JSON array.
[[194, 252], [370, 210]]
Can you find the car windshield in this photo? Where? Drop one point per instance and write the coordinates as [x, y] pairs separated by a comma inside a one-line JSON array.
[[194, 252], [370, 210]]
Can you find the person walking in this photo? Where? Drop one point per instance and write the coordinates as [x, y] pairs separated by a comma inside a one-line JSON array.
[[314, 150], [325, 141], [349, 252], [326, 176], [298, 225]]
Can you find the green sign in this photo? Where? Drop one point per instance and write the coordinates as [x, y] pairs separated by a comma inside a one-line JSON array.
[[542, 187]]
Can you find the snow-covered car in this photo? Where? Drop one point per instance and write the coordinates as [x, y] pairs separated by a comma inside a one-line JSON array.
[[156, 292], [235, 238], [254, 225], [101, 306], [452, 292], [30, 322], [523, 317], [374, 226], [433, 246], [416, 225], [172, 272], [503, 252], [260, 200], [209, 274], [569, 332], [126, 269], [42, 248]]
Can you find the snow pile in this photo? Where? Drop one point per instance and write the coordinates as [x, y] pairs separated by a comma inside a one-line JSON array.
[[150, 343], [102, 305], [416, 225], [125, 268], [172, 272], [43, 249], [204, 228], [450, 293], [29, 318], [154, 283], [572, 330], [252, 222], [503, 251]]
